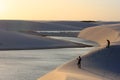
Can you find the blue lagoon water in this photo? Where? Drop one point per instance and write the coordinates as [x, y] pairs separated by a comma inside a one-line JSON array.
[[32, 64]]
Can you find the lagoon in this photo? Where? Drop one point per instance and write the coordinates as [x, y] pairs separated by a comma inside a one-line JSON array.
[[32, 64]]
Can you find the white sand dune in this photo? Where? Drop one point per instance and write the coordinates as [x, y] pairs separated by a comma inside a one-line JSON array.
[[101, 64], [70, 71], [11, 39], [14, 40], [100, 34]]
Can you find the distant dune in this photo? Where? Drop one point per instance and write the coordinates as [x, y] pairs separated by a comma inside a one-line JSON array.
[[16, 41], [15, 25], [12, 38], [21, 25]]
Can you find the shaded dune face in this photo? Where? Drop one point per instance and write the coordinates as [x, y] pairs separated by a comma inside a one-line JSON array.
[[104, 62]]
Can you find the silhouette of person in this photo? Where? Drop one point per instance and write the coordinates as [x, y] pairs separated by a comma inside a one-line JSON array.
[[108, 44], [79, 62]]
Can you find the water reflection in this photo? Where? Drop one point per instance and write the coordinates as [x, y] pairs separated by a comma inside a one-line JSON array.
[[32, 64]]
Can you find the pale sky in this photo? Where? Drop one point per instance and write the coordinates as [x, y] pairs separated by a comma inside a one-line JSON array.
[[106, 10]]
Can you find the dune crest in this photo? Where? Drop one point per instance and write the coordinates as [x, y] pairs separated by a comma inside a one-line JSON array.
[[100, 34]]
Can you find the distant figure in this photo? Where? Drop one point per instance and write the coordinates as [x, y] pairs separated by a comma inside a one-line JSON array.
[[79, 62], [108, 44]]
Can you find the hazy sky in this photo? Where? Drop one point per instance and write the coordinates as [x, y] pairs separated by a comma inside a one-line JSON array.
[[60, 9]]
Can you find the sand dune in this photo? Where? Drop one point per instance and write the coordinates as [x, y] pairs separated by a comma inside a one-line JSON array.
[[10, 38], [100, 34], [100, 64], [70, 71], [14, 40]]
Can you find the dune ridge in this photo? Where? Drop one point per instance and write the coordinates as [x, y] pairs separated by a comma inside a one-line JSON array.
[[100, 64], [100, 34]]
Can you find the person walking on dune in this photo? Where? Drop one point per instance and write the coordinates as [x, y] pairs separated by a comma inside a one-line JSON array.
[[108, 44], [79, 62]]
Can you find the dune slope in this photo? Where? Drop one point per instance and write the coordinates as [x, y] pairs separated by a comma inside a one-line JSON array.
[[100, 34], [104, 62]]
